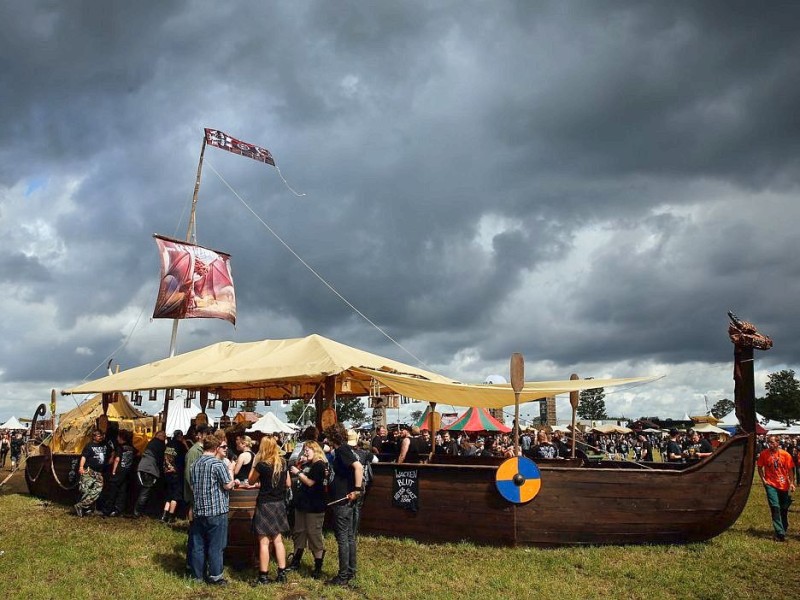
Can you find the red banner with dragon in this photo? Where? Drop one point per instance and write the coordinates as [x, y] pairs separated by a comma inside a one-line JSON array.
[[196, 282]]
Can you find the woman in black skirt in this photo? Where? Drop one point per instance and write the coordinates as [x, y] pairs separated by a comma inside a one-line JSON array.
[[269, 518]]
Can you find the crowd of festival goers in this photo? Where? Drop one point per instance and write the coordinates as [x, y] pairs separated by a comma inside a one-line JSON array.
[[196, 472], [298, 482]]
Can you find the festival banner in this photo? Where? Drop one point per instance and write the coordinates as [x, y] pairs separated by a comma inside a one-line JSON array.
[[405, 489], [196, 282], [222, 140]]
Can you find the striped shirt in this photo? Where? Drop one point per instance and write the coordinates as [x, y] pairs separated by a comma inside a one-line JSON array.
[[209, 475]]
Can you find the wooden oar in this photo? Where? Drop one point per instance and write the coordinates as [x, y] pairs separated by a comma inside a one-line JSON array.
[[517, 382], [574, 399]]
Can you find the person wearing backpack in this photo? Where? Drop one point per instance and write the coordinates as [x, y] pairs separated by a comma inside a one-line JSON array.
[[346, 489], [366, 458]]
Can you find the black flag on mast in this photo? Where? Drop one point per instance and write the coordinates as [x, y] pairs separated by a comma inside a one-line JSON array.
[[220, 139]]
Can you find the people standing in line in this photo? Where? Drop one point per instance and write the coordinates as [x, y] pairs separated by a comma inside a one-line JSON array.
[[149, 470], [309, 509], [195, 452], [211, 482], [776, 470], [345, 490], [116, 494], [269, 518], [92, 462]]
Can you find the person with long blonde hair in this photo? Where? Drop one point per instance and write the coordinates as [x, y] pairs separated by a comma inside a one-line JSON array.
[[310, 504], [269, 518]]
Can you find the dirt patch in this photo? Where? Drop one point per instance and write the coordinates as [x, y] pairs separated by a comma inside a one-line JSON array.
[[15, 484]]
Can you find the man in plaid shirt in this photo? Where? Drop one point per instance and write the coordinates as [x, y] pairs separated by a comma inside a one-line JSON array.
[[210, 481]]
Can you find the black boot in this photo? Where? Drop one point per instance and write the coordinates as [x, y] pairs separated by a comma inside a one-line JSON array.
[[281, 576], [294, 560], [165, 517], [263, 578], [317, 573]]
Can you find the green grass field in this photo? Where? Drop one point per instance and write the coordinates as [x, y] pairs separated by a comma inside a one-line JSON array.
[[47, 552]]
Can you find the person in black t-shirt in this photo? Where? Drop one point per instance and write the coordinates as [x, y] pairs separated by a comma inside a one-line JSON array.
[[698, 449], [309, 506], [93, 460], [269, 519], [674, 450], [348, 475], [116, 492], [379, 440]]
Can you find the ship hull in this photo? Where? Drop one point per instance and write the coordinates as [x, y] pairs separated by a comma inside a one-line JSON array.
[[575, 506]]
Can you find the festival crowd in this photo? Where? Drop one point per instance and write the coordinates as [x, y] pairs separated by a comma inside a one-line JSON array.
[[296, 485], [196, 472]]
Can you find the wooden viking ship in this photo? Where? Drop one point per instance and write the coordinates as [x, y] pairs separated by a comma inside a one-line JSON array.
[[51, 471], [578, 501], [584, 503]]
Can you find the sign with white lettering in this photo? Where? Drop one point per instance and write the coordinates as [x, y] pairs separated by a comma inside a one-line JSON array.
[[405, 489]]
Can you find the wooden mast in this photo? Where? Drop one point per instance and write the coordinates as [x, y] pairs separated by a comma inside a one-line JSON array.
[[191, 236]]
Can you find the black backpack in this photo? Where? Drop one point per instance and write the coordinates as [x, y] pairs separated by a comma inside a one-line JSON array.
[[365, 458]]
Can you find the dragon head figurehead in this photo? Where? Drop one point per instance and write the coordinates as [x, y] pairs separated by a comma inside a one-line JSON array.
[[745, 335]]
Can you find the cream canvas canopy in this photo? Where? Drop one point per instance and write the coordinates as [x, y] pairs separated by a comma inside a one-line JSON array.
[[709, 428], [297, 368], [74, 427]]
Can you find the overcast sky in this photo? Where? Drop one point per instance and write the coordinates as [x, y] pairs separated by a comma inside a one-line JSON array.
[[593, 184]]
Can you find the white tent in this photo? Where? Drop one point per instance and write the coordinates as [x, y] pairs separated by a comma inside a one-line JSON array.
[[12, 424], [793, 430], [730, 420], [269, 423], [180, 417]]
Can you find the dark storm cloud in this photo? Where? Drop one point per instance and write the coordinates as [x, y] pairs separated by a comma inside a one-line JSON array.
[[23, 270], [455, 157]]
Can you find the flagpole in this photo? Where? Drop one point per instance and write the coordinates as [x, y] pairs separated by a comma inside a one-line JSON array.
[[191, 237]]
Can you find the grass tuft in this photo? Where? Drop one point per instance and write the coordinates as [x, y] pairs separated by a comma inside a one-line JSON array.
[[47, 552]]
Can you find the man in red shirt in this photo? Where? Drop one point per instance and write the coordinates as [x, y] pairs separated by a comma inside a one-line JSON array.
[[776, 470]]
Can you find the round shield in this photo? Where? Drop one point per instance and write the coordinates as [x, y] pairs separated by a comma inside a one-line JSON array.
[[518, 480]]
